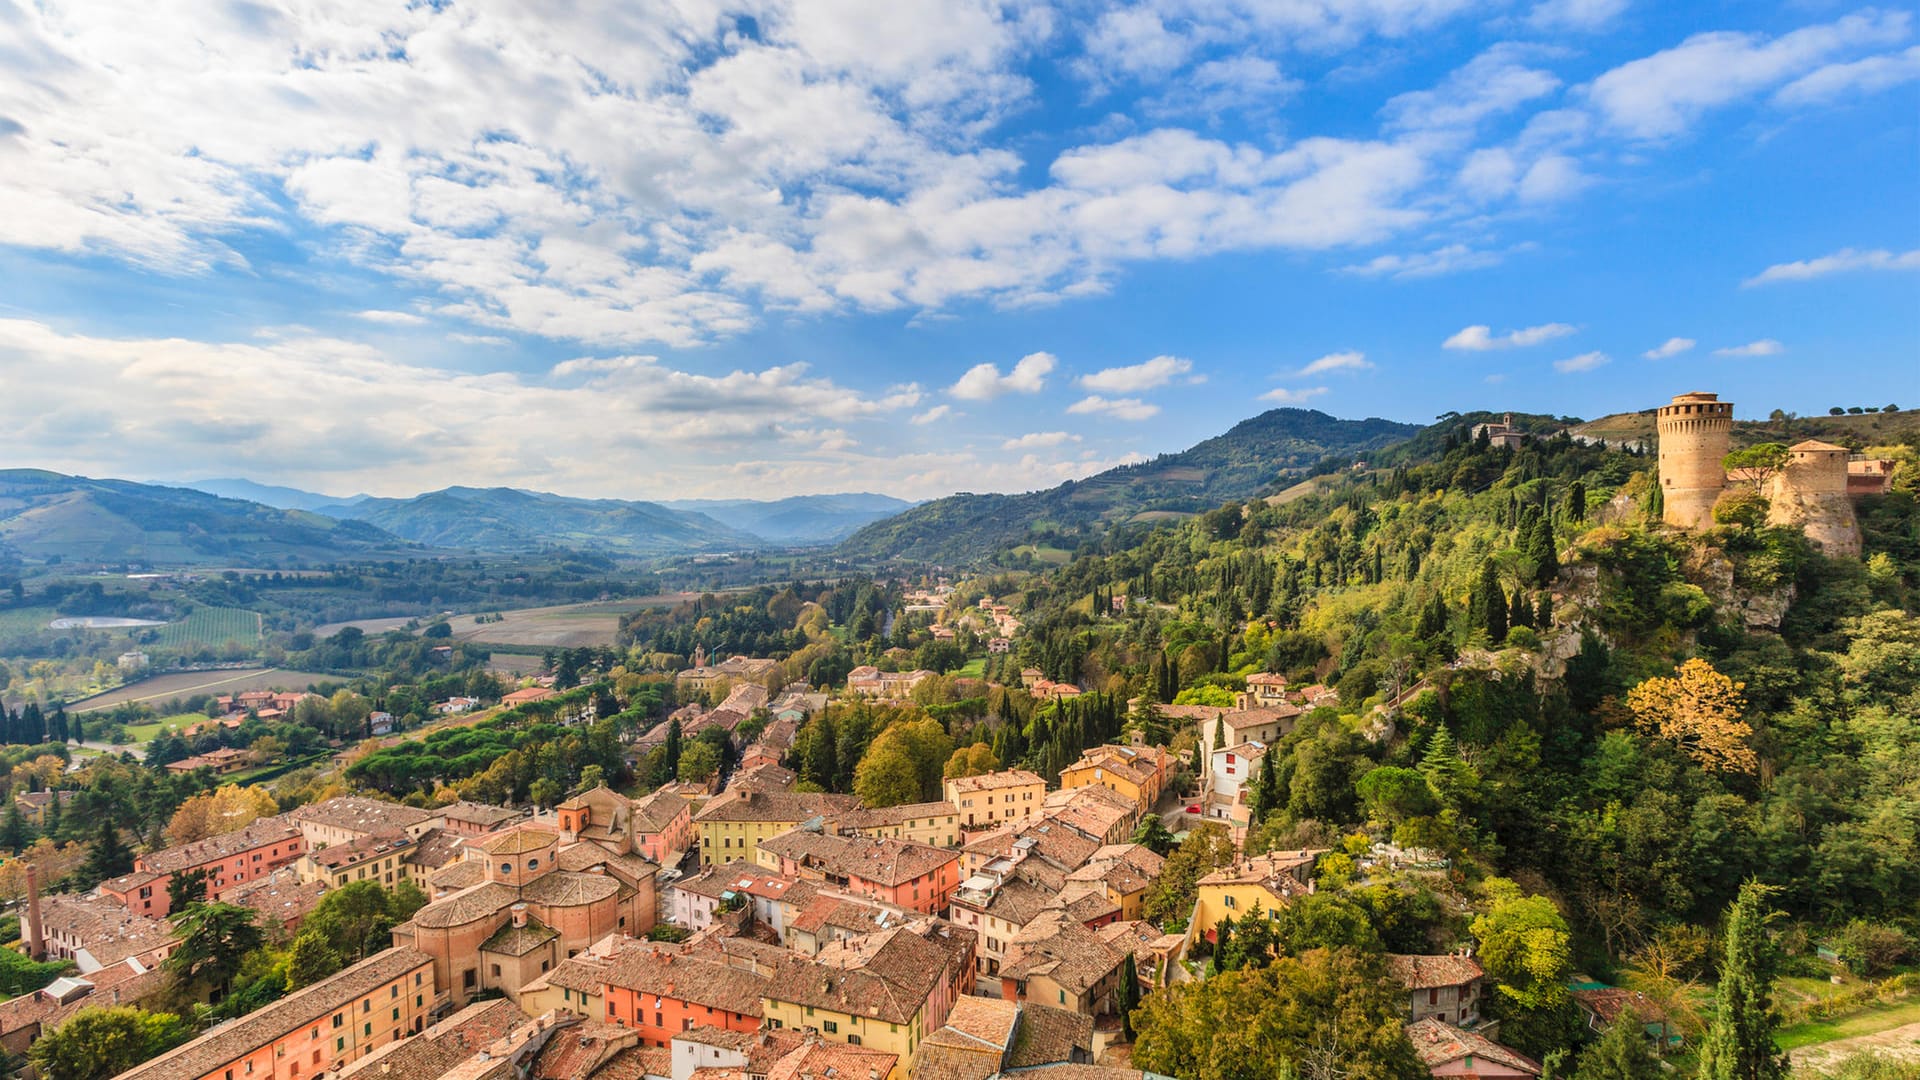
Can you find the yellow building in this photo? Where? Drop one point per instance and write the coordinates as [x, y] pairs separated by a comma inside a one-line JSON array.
[[884, 991], [1138, 772], [378, 859], [576, 985], [1124, 873], [933, 823], [733, 825], [1268, 882], [996, 797]]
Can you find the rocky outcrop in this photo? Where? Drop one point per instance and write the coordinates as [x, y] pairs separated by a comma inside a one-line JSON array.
[[1710, 569]]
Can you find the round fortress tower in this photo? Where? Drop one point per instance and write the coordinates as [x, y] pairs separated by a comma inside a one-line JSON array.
[[1695, 431]]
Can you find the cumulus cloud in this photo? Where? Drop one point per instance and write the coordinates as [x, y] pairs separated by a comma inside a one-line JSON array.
[[344, 411], [1843, 261], [1673, 346], [983, 382], [1481, 338], [1118, 408], [1039, 440], [1450, 259], [1762, 347], [1134, 378], [1659, 96], [1497, 81], [1340, 361], [1289, 396], [938, 412], [1584, 362], [1851, 80], [391, 318]]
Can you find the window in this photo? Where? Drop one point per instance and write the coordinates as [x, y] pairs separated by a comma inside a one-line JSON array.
[[369, 1030], [506, 868], [393, 991], [339, 1044], [416, 978], [366, 1005], [1063, 997], [1229, 901], [336, 1019], [396, 1014], [467, 979], [830, 1027], [531, 863], [853, 1040], [496, 971], [1433, 996]]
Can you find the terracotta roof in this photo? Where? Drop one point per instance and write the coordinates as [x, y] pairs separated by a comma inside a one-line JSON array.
[[652, 969], [488, 817], [1437, 1044], [436, 849], [994, 781], [118, 984], [637, 1063], [845, 913], [1059, 947], [577, 1051], [270, 1022], [281, 897], [658, 810], [713, 880], [108, 932], [435, 1051], [832, 1061], [1018, 900], [1066, 1071], [1416, 972], [128, 882], [519, 840], [885, 860], [1813, 445], [884, 976], [1125, 868], [511, 940], [885, 816], [362, 814], [1275, 870], [466, 906], [1049, 1035], [585, 973], [1608, 1002], [335, 856], [263, 832], [461, 875], [564, 888], [775, 806]]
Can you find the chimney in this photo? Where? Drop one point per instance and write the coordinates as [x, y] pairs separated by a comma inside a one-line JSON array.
[[36, 940], [519, 916]]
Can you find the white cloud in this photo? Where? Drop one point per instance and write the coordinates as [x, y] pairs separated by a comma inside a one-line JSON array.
[[983, 382], [1039, 440], [1134, 378], [1497, 81], [1340, 361], [1673, 346], [1588, 15], [1584, 362], [1762, 347], [1286, 396], [938, 412], [1851, 80], [1843, 261], [391, 318], [478, 339], [1481, 338], [1659, 96], [1450, 259], [344, 411], [1118, 408]]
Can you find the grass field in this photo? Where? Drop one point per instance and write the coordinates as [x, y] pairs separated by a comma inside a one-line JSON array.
[[211, 627], [560, 626], [974, 669], [188, 683], [23, 621], [1868, 1021]]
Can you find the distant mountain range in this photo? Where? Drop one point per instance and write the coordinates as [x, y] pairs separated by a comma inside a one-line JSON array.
[[508, 520], [1250, 458], [45, 515], [799, 519], [286, 498]]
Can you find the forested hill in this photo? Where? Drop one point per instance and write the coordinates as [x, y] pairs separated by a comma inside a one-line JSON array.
[[1252, 457], [45, 515], [508, 520]]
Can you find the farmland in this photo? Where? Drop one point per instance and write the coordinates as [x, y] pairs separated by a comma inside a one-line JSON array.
[[560, 626], [188, 683], [210, 628]]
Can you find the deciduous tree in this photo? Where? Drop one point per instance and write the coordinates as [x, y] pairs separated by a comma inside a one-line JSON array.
[[1698, 710], [98, 1043]]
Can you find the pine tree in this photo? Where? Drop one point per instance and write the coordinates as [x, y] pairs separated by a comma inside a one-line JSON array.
[[50, 822], [14, 835], [1490, 604], [1433, 618], [1739, 1043], [109, 856], [1621, 1054]]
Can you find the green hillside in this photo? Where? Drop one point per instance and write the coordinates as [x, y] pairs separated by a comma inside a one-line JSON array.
[[507, 520], [1252, 457], [46, 515]]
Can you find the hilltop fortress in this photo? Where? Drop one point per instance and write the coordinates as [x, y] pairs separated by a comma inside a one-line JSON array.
[[1814, 490]]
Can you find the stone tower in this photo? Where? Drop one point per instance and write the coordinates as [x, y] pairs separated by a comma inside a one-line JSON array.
[[1811, 492], [1694, 436]]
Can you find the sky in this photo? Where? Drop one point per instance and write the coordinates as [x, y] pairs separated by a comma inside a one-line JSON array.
[[755, 248]]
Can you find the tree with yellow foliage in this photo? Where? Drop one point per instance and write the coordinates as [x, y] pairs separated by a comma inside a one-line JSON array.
[[220, 811], [1699, 711]]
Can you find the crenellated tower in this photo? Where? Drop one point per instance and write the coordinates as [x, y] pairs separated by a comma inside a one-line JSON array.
[[1696, 430]]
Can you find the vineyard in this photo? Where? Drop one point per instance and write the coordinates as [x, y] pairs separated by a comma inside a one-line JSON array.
[[211, 627]]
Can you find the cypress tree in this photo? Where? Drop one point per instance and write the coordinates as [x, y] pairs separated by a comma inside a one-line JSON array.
[[1621, 1054], [1543, 611], [1519, 612], [14, 834], [1739, 1044], [1490, 605], [1577, 501]]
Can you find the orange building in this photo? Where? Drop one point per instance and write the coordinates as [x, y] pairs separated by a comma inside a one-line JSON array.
[[918, 877], [660, 991], [230, 861], [378, 1001]]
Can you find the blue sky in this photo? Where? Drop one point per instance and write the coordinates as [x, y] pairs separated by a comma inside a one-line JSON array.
[[763, 247]]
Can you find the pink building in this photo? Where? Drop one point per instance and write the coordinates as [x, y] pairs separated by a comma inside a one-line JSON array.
[[918, 877]]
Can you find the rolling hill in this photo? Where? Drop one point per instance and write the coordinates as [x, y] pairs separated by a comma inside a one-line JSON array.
[[1250, 458], [45, 515], [508, 520], [286, 498], [800, 519]]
